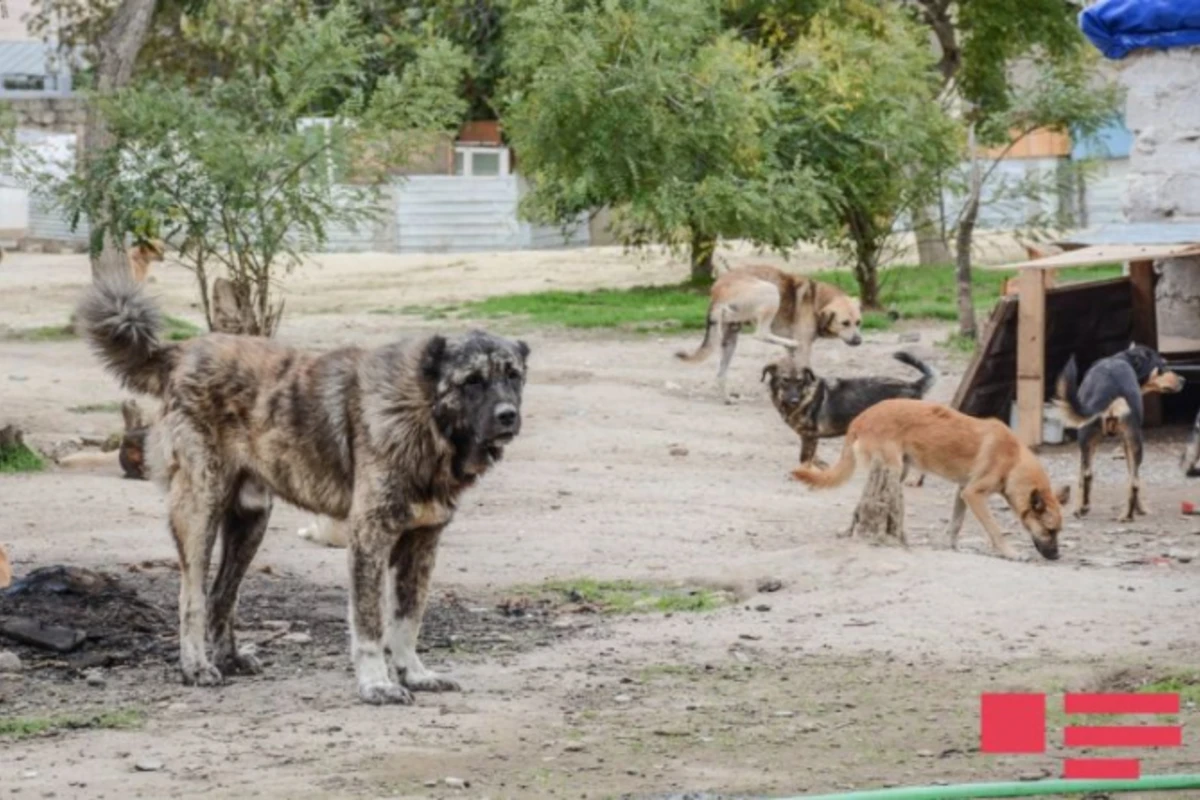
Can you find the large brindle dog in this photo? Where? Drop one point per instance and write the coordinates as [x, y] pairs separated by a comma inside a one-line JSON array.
[[386, 439]]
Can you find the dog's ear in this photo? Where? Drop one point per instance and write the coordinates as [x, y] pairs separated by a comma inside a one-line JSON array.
[[523, 349], [1036, 501], [432, 357], [808, 375], [1064, 494], [825, 321], [769, 370]]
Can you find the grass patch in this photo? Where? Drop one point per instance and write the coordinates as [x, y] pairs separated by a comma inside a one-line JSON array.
[[96, 408], [116, 719], [20, 458], [921, 293], [178, 330], [43, 333], [959, 343], [628, 597], [1185, 684]]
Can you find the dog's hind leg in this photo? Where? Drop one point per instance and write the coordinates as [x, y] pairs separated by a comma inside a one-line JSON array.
[[729, 335], [242, 529], [1089, 439], [412, 566], [194, 517], [956, 519], [1131, 441]]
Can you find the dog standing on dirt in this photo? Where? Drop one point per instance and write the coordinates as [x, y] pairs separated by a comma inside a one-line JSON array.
[[386, 439], [819, 409], [785, 309], [982, 456], [1108, 402]]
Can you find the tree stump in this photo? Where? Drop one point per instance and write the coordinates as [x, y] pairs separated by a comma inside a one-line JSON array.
[[879, 517], [231, 311]]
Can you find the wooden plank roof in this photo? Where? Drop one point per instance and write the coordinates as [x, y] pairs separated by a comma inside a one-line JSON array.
[[1106, 254]]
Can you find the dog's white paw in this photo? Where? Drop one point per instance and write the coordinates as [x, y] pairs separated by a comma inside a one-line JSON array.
[[384, 693], [201, 673], [430, 682]]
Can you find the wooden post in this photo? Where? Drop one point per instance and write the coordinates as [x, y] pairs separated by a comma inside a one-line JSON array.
[[1145, 325], [1031, 355]]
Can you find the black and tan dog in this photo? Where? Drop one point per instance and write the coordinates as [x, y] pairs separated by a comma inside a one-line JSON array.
[[386, 439], [1109, 402], [816, 408]]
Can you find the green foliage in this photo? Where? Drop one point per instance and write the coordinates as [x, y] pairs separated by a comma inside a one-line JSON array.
[[20, 458], [860, 111], [651, 107], [227, 166]]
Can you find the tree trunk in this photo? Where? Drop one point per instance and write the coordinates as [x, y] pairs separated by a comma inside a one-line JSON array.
[[931, 247], [701, 253], [866, 256], [964, 236], [879, 517], [118, 50]]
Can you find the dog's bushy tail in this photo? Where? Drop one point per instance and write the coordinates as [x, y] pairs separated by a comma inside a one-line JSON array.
[[706, 346], [1066, 394], [929, 375], [123, 325], [836, 475]]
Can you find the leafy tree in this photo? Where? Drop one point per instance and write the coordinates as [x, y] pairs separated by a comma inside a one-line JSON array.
[[1062, 94], [653, 108], [858, 110], [226, 165]]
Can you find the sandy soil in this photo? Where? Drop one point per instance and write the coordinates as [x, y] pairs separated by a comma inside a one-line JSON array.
[[863, 670]]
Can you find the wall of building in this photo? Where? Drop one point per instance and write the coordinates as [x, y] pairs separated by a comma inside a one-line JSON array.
[[56, 114], [1163, 112]]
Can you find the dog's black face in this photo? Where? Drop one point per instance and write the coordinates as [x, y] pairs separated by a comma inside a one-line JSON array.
[[791, 389], [1152, 369], [477, 380]]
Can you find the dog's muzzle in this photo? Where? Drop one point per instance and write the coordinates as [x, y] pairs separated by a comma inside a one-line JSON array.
[[854, 341], [506, 423], [1048, 550]]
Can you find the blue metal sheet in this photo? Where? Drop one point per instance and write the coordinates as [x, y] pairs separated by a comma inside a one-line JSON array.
[[1136, 233]]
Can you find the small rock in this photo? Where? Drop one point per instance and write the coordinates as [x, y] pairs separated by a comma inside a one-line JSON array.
[[429, 784], [9, 661], [762, 607], [29, 773], [622, 698], [925, 754], [95, 677], [785, 713], [770, 585], [671, 386], [809, 727], [276, 624], [296, 638], [678, 450], [574, 747], [148, 765], [456, 783]]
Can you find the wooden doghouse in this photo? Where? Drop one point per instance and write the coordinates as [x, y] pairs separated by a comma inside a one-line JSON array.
[[1029, 337]]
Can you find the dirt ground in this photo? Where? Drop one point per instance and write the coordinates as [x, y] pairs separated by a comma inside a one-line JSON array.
[[864, 669]]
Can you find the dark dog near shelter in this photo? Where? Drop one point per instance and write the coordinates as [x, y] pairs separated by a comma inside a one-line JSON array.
[[386, 439], [1109, 402], [816, 408]]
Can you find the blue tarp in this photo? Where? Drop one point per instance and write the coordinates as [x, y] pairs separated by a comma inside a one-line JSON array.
[[1118, 27]]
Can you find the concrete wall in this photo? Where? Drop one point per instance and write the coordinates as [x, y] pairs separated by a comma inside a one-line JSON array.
[[58, 114], [1163, 112]]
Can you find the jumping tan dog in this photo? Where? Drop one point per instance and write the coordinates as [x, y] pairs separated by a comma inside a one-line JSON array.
[[782, 308], [141, 256], [982, 456]]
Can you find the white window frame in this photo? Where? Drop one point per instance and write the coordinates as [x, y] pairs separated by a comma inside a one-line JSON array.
[[468, 156]]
